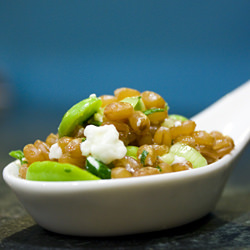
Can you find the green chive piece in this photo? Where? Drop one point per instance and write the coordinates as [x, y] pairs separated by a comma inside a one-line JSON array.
[[151, 111], [98, 168], [143, 156]]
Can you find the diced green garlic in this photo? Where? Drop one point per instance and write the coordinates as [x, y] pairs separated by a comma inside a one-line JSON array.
[[136, 102], [189, 153], [178, 117], [168, 158], [98, 116], [132, 151], [168, 123]]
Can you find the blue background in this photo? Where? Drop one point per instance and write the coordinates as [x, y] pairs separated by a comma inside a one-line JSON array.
[[55, 53]]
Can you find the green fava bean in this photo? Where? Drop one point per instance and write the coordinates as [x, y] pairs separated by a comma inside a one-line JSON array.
[[77, 114], [54, 171]]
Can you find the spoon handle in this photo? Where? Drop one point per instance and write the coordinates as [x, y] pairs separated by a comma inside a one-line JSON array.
[[229, 115]]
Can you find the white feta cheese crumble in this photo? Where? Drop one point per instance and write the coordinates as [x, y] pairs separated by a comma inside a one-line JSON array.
[[177, 123], [103, 143], [55, 152], [92, 96], [138, 124], [93, 162], [179, 159]]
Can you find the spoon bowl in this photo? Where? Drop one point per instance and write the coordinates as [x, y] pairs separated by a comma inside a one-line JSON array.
[[142, 204]]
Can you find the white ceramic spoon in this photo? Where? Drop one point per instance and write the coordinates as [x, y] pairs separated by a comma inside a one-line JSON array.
[[229, 115], [143, 204]]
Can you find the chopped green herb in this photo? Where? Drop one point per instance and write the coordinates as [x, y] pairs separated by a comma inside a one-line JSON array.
[[83, 139], [143, 156], [151, 111], [67, 170], [18, 154], [158, 167], [96, 123]]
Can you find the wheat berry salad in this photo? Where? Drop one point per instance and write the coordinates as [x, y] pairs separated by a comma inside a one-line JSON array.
[[125, 135]]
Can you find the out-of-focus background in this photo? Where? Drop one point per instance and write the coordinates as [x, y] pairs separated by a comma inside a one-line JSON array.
[[55, 53]]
